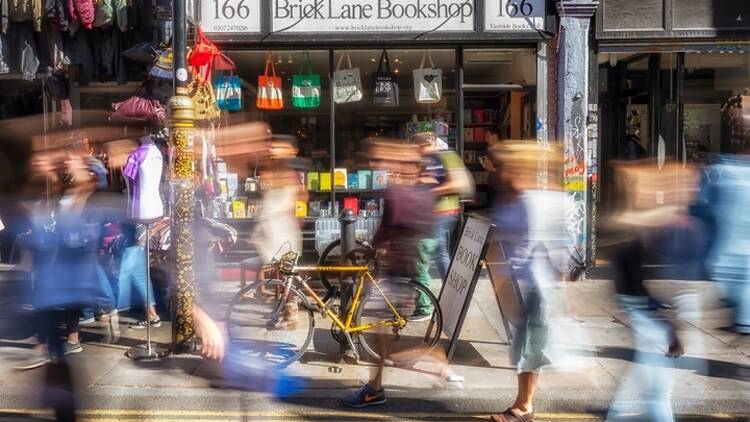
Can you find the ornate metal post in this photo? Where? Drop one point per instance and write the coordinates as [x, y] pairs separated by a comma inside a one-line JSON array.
[[181, 126]]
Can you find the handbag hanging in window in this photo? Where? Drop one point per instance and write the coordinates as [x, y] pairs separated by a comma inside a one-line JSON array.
[[228, 89], [204, 99], [385, 86], [428, 82], [347, 83], [306, 87], [269, 88]]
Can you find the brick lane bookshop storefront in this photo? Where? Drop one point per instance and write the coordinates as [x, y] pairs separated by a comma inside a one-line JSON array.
[[451, 67]]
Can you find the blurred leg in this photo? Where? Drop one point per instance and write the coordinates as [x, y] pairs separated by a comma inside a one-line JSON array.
[[422, 277], [445, 227]]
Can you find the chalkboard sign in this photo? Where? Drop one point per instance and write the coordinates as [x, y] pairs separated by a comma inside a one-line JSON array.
[[461, 280]]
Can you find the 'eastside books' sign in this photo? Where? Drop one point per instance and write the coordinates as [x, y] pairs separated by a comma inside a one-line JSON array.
[[347, 16], [514, 15]]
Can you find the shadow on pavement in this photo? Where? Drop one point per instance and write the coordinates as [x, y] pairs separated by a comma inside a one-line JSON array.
[[706, 367]]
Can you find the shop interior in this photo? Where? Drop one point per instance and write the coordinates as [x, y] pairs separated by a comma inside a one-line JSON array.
[[498, 90], [686, 106]]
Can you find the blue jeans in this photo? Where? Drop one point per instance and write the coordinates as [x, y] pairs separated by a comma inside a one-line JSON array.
[[106, 301], [441, 253], [650, 375], [133, 277]]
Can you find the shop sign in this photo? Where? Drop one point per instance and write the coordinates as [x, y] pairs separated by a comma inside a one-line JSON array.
[[353, 16], [230, 16], [514, 15]]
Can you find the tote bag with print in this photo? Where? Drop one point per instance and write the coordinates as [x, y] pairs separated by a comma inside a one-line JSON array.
[[385, 87], [428, 82], [269, 88], [347, 83], [306, 87], [228, 91]]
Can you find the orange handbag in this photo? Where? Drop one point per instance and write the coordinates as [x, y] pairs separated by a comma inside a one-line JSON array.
[[269, 88]]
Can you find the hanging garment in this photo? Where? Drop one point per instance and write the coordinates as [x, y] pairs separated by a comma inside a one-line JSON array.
[[4, 59], [81, 11], [55, 13], [78, 49], [52, 50], [22, 48], [23, 11], [108, 60], [110, 12]]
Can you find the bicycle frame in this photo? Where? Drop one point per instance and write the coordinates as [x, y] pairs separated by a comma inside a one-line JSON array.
[[363, 274]]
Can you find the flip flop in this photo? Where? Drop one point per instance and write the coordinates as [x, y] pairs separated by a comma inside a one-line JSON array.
[[512, 415]]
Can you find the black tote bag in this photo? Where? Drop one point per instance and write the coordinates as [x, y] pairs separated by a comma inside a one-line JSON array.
[[385, 86]]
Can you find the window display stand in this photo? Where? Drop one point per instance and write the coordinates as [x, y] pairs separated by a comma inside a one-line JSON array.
[[147, 351]]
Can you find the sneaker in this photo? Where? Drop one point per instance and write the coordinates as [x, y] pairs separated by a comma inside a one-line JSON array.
[[365, 396], [87, 321], [35, 361], [71, 348], [142, 324], [418, 316]]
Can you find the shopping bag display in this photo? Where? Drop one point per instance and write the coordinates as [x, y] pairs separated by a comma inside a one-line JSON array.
[[228, 91], [306, 86], [204, 99], [428, 82], [269, 88], [347, 83], [385, 86]]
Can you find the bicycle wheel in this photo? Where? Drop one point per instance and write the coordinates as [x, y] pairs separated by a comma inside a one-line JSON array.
[[403, 344], [362, 254], [264, 327]]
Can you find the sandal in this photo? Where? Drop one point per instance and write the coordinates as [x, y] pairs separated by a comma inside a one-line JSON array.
[[512, 415]]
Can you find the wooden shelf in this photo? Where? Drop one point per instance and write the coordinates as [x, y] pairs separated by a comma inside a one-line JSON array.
[[480, 124]]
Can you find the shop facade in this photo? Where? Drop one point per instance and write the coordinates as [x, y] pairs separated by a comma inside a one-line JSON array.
[[492, 61], [673, 76]]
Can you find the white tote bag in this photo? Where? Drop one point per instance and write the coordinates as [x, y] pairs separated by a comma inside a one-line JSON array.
[[347, 83], [428, 82]]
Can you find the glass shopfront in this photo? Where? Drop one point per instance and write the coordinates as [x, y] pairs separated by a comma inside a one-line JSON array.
[[498, 91]]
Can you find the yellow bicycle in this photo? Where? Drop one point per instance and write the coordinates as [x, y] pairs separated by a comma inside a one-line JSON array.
[[278, 328]]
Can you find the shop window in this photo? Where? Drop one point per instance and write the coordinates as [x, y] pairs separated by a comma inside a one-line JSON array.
[[715, 87], [499, 103], [311, 125]]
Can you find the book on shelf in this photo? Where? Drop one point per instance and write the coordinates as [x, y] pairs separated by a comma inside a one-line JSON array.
[[470, 157], [325, 182], [239, 208], [339, 178], [379, 179], [300, 209], [353, 181], [313, 208], [352, 203], [313, 181], [365, 179]]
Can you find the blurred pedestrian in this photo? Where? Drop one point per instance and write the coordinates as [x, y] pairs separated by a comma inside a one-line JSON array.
[[450, 182], [654, 201], [407, 220], [531, 229]]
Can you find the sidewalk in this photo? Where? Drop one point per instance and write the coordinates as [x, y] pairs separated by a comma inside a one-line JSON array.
[[481, 358]]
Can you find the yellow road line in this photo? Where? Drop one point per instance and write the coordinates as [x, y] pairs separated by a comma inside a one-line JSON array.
[[106, 415]]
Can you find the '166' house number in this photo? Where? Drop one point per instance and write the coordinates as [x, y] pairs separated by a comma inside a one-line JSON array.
[[515, 8]]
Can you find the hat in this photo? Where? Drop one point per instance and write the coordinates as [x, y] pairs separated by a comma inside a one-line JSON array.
[[163, 68]]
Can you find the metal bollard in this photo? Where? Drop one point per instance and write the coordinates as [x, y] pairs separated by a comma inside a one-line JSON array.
[[347, 221]]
